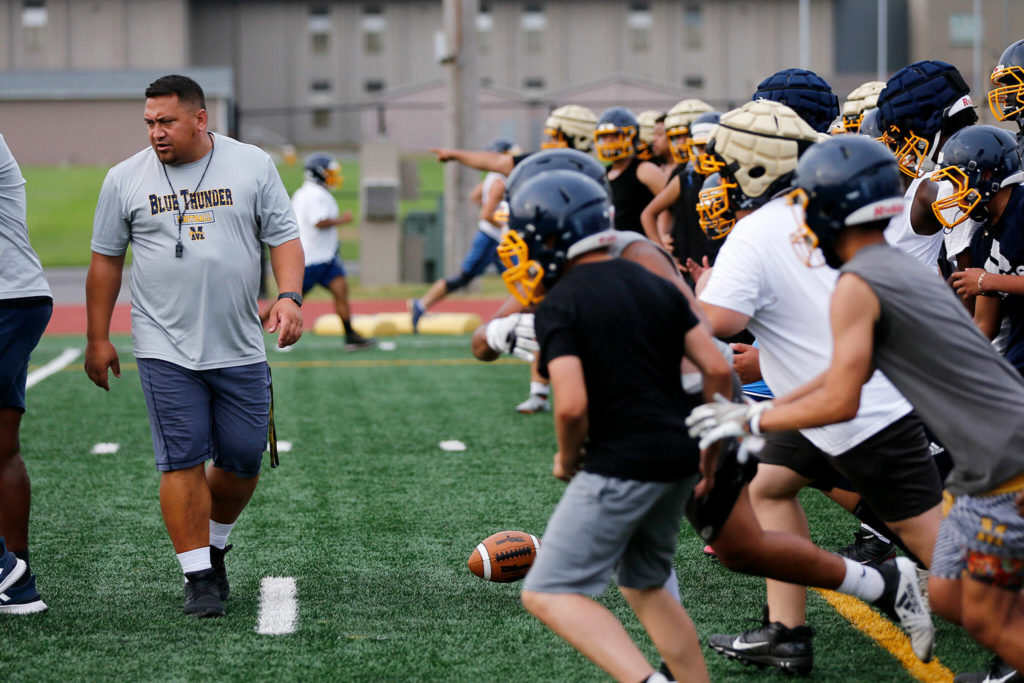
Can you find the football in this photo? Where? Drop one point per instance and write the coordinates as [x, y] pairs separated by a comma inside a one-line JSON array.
[[504, 557]]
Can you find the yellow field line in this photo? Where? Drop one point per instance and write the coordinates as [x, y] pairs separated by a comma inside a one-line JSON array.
[[350, 363], [886, 634]]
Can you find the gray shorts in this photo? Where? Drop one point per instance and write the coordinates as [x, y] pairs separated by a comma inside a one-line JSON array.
[[196, 415], [604, 524], [984, 536]]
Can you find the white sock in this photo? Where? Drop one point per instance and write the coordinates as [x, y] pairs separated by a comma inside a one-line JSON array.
[[539, 389], [219, 534], [862, 581], [195, 560]]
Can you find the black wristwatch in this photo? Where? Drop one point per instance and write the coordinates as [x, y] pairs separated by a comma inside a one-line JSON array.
[[294, 296]]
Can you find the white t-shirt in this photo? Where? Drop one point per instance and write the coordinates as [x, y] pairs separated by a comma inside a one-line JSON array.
[[486, 227], [900, 234], [760, 274], [313, 203]]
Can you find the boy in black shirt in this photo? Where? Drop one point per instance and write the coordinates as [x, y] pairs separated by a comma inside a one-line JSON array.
[[612, 339]]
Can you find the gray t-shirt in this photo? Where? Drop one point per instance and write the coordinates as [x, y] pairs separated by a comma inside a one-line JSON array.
[[21, 274], [198, 311], [928, 346]]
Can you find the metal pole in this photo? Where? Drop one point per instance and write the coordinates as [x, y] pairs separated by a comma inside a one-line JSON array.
[[463, 82], [805, 34], [882, 61], [978, 86]]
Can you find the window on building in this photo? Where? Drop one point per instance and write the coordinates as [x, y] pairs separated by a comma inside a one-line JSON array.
[[640, 24], [484, 28], [373, 85], [320, 85], [373, 24], [534, 24], [322, 118], [320, 43], [695, 82], [693, 27], [533, 82], [33, 20], [961, 29], [319, 19]]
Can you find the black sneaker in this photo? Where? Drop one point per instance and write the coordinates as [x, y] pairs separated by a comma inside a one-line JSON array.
[[772, 644], [868, 547], [664, 671], [220, 572], [202, 597], [998, 672], [356, 341], [902, 601]]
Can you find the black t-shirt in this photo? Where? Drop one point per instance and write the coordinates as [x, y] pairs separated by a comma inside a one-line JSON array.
[[627, 327], [688, 240], [630, 197]]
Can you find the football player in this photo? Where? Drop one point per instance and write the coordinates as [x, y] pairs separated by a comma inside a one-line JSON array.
[[860, 99], [883, 305], [634, 182], [803, 91], [756, 284], [1006, 98], [317, 213], [624, 407]]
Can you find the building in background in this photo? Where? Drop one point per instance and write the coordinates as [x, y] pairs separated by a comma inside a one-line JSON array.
[[330, 73]]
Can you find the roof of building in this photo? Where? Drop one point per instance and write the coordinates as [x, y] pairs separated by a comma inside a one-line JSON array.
[[217, 82]]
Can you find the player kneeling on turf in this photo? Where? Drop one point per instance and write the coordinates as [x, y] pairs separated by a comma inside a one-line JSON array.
[[612, 338]]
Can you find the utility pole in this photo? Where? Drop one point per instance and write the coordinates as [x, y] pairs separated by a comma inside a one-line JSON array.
[[461, 123]]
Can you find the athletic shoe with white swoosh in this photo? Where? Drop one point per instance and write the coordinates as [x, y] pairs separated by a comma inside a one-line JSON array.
[[998, 672], [11, 568], [772, 644]]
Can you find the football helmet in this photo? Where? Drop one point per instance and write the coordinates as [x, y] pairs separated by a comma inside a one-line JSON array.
[[548, 214], [869, 126], [569, 126], [1006, 99], [700, 131], [978, 161], [713, 213], [557, 160], [803, 91], [919, 104], [648, 120], [321, 167], [843, 181], [755, 149], [677, 127], [616, 134], [505, 146], [860, 99]]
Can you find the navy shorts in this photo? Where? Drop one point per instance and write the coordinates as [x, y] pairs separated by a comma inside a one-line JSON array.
[[196, 415], [20, 330], [322, 274]]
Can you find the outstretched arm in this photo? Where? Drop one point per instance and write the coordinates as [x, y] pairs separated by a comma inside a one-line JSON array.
[[483, 161]]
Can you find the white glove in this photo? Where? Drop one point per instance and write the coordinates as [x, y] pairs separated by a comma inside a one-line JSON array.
[[722, 419], [513, 334]]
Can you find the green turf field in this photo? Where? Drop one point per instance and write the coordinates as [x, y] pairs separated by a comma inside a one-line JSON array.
[[62, 199], [372, 519]]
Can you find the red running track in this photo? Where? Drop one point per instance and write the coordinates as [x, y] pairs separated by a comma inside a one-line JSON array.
[[71, 319]]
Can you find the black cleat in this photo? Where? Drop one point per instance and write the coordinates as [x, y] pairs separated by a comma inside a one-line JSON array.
[[220, 572], [902, 601], [868, 547], [356, 342], [202, 597], [998, 672], [772, 644]]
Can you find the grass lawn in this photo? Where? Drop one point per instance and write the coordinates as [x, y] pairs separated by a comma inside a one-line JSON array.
[[369, 516]]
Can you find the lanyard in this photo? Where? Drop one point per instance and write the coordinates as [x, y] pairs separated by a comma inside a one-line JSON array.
[[179, 248]]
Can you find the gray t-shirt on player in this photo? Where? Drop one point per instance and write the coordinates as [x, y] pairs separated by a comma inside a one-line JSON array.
[[928, 346], [198, 311], [21, 274]]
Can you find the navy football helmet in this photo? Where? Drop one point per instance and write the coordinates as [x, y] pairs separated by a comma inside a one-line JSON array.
[[503, 145], [979, 161], [803, 91], [547, 215], [617, 134], [555, 159], [844, 181], [321, 167], [1006, 98], [919, 104]]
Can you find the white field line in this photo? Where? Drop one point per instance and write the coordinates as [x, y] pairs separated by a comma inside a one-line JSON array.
[[65, 359], [104, 448], [279, 606]]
